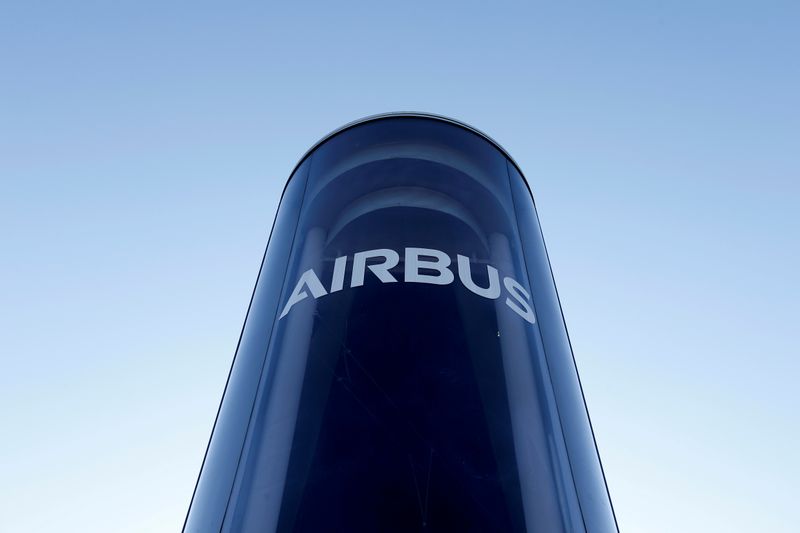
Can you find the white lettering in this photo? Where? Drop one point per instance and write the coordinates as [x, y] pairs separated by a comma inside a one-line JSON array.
[[414, 264], [381, 270], [523, 309], [465, 275], [434, 263], [310, 280], [338, 273]]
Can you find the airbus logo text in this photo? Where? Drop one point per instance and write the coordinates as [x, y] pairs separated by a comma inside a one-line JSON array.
[[421, 265]]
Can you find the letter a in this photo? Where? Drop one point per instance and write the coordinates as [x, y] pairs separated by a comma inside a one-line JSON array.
[[310, 280]]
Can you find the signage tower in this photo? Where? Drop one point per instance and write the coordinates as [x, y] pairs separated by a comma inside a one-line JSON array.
[[404, 364]]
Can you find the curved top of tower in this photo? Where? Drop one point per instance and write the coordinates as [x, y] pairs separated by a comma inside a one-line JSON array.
[[410, 114]]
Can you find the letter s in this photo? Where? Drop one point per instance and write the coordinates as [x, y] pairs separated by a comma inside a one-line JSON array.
[[521, 306]]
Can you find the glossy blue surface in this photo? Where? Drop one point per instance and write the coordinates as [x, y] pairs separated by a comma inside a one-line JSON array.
[[404, 364]]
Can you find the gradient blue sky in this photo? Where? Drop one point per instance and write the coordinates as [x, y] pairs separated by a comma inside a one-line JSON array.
[[144, 146]]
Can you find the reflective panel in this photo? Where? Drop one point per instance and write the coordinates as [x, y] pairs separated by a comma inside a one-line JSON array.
[[402, 381], [222, 456], [589, 479]]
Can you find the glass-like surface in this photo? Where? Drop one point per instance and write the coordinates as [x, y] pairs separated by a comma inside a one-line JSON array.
[[588, 473], [222, 457], [399, 378]]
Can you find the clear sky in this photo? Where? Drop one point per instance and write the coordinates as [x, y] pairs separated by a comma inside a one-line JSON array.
[[144, 146]]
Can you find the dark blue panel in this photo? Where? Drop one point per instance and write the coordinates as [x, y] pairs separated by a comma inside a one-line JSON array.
[[409, 381]]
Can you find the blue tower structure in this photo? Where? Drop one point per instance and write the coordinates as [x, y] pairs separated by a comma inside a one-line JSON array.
[[404, 364]]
